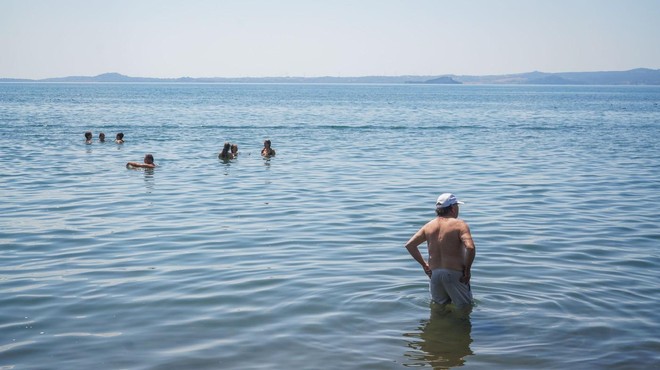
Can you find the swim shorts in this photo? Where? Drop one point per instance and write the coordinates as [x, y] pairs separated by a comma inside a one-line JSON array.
[[446, 287]]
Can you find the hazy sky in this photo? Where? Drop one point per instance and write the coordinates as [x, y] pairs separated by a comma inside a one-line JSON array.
[[237, 38]]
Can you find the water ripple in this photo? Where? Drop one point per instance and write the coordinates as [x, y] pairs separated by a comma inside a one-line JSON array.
[[298, 261]]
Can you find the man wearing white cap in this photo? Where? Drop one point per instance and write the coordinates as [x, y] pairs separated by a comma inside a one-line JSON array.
[[451, 253]]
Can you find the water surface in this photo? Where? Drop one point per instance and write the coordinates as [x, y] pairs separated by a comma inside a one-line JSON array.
[[297, 261]]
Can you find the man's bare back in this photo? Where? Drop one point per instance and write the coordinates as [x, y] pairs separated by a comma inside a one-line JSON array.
[[446, 238], [449, 242]]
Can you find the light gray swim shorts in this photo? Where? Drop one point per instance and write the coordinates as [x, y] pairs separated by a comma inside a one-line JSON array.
[[446, 287]]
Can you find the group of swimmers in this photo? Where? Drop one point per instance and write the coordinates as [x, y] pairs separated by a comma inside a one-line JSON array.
[[229, 151], [450, 246], [119, 139]]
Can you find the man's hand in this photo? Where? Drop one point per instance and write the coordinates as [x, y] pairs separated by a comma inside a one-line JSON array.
[[427, 270], [466, 277]]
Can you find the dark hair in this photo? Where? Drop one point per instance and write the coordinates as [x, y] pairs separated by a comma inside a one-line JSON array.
[[443, 211], [149, 157], [225, 151], [267, 142], [120, 135], [88, 134]]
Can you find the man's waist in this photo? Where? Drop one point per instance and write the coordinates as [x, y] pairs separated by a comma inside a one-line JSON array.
[[447, 269]]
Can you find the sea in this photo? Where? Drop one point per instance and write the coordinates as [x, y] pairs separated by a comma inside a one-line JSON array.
[[297, 261]]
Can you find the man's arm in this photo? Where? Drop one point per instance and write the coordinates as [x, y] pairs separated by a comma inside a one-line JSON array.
[[412, 247], [470, 252], [138, 164]]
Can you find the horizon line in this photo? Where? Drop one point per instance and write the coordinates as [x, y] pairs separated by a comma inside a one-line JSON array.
[[118, 74]]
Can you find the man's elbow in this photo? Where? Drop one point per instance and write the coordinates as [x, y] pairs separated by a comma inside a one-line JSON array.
[[410, 247]]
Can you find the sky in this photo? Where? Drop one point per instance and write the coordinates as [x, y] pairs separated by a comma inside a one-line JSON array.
[[312, 38]]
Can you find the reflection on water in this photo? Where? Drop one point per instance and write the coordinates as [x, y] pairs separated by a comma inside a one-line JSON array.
[[226, 162], [148, 176], [266, 162], [443, 341], [149, 179]]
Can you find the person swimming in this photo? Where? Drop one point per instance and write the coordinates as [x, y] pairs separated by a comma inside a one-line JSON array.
[[101, 137], [88, 137], [226, 152], [234, 150], [148, 162], [119, 139], [267, 151]]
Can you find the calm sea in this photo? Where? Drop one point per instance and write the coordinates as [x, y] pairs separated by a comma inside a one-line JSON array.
[[297, 262]]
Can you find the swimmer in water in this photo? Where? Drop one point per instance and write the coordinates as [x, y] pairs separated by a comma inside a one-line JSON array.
[[119, 138], [267, 151], [226, 152], [88, 137], [148, 162]]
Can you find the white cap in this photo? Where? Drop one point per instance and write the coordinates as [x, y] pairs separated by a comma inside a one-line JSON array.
[[446, 200]]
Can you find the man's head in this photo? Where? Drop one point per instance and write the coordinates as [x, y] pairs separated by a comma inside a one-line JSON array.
[[149, 159], [446, 205], [88, 135]]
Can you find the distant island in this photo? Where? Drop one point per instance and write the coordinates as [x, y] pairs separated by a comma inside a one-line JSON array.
[[444, 80], [639, 76]]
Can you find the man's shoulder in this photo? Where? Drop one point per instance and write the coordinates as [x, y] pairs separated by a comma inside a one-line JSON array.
[[448, 222], [459, 222], [462, 226]]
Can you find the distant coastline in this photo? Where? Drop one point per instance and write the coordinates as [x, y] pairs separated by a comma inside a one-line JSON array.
[[638, 76]]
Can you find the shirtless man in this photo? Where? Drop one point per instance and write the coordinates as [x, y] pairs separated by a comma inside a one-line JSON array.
[[148, 162], [451, 253]]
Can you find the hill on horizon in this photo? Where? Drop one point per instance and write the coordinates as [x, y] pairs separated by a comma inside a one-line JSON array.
[[638, 76]]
